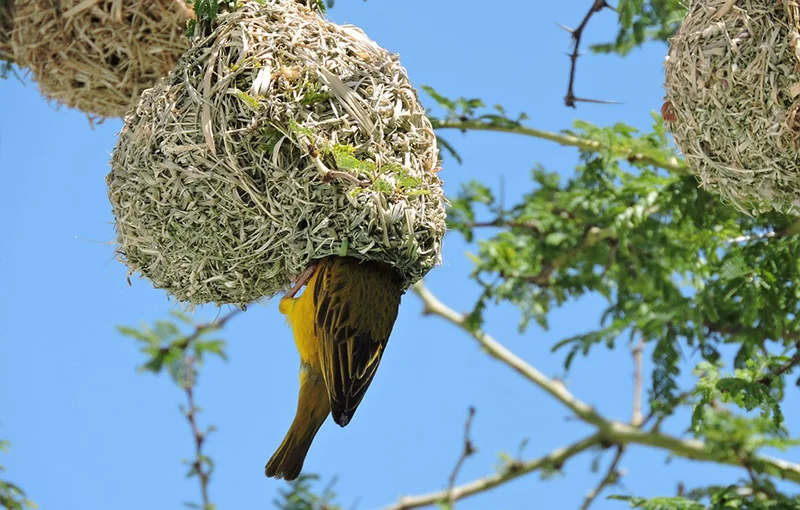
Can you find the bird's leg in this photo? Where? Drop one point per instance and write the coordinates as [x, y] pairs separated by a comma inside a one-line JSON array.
[[301, 280]]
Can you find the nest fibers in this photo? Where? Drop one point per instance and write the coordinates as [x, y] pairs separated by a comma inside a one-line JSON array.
[[733, 100], [278, 139], [99, 55], [5, 31]]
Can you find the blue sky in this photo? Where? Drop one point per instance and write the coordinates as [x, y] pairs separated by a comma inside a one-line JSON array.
[[89, 432]]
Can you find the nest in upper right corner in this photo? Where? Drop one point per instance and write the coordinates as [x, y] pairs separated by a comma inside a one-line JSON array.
[[733, 100]]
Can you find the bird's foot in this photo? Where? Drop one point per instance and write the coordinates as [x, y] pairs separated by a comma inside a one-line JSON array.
[[301, 280]]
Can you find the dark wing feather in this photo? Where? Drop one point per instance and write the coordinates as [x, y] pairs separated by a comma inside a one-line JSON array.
[[356, 306]]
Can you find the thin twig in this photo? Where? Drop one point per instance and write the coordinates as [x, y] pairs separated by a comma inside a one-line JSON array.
[[467, 451], [672, 164], [513, 471], [611, 477], [636, 415], [570, 99], [793, 362], [501, 353], [500, 222], [199, 466], [201, 329]]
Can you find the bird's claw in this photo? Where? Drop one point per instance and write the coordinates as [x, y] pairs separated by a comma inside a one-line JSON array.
[[301, 280]]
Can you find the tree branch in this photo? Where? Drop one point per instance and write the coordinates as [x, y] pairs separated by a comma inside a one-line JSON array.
[[498, 351], [570, 99], [612, 477], [612, 431], [636, 415], [469, 450], [672, 164], [789, 365], [199, 465], [512, 471], [201, 329]]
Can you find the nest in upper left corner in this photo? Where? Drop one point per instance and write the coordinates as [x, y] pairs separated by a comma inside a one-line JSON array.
[[98, 55], [6, 7]]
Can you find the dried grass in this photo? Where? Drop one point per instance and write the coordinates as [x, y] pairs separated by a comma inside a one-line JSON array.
[[6, 13], [733, 84], [99, 55], [278, 139]]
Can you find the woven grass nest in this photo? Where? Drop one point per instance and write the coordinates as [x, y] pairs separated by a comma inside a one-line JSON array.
[[98, 55], [733, 99], [278, 139], [5, 30]]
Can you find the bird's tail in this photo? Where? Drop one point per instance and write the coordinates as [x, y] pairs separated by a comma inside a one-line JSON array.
[[312, 410]]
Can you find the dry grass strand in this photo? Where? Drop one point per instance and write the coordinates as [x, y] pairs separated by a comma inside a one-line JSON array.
[[6, 13], [99, 55]]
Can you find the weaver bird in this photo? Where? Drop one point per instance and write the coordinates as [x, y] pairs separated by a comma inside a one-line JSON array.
[[341, 324]]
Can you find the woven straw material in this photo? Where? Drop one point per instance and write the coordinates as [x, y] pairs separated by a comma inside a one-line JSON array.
[[278, 139], [732, 88], [6, 7], [99, 55]]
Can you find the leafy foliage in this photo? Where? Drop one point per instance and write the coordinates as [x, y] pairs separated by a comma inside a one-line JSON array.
[[749, 389], [660, 503], [301, 495], [641, 21], [740, 497], [676, 267], [469, 109], [12, 497], [166, 345]]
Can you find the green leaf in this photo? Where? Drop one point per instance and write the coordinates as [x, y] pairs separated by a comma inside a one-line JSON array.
[[555, 238]]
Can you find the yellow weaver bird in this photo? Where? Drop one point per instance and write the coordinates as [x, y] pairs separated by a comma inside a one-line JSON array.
[[341, 324]]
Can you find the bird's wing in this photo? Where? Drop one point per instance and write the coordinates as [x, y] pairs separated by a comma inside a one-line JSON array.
[[356, 306]]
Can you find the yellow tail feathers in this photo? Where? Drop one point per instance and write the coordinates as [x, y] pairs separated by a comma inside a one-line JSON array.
[[312, 410]]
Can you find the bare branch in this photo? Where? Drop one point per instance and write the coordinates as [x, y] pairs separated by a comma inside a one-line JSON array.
[[501, 353], [468, 450], [611, 478], [556, 459], [636, 415], [199, 464], [570, 99], [201, 329]]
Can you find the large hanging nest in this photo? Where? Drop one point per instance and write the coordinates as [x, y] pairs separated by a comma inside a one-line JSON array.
[[732, 88], [6, 7], [278, 139], [99, 55]]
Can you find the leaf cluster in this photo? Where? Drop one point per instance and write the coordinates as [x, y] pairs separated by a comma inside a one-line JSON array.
[[675, 265], [641, 21], [301, 495], [12, 497], [166, 345]]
